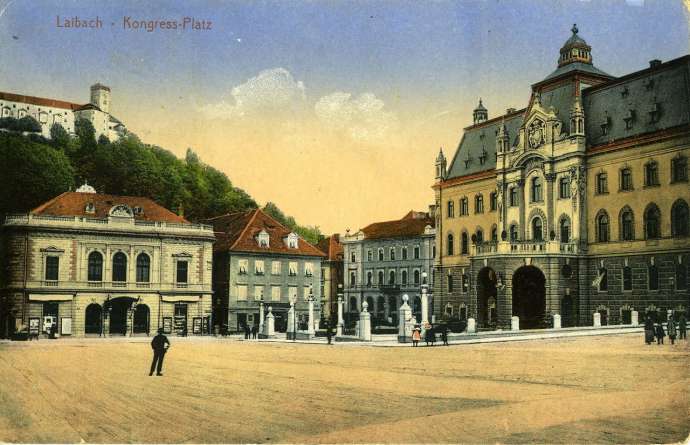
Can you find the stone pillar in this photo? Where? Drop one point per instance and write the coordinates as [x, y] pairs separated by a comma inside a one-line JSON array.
[[515, 323], [597, 319], [405, 322], [291, 323], [130, 324], [341, 322], [556, 321], [471, 326], [634, 318], [261, 316], [269, 326], [310, 326], [365, 323]]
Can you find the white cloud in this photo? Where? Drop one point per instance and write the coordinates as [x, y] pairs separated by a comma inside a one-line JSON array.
[[364, 118], [270, 91]]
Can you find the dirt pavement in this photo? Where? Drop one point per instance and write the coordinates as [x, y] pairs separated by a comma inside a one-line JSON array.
[[611, 389]]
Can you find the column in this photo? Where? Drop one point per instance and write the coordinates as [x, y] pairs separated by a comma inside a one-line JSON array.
[[291, 322], [341, 322], [310, 327], [261, 316]]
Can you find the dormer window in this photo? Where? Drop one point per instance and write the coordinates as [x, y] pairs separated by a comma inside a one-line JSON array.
[[629, 119], [90, 208], [468, 159], [482, 157], [605, 125], [654, 113], [291, 241], [137, 210], [263, 239]]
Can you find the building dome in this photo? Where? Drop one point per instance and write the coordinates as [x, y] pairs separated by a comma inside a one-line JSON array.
[[480, 114], [575, 49], [86, 188]]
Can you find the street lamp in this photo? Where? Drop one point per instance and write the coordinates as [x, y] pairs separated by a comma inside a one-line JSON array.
[[293, 303], [261, 313]]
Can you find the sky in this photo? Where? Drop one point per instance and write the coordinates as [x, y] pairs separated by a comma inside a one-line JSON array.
[[334, 110]]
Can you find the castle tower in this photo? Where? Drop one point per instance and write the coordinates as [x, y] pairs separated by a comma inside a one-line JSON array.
[[480, 114], [100, 97], [440, 166]]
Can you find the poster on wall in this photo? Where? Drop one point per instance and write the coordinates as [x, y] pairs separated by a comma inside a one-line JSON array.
[[167, 325], [34, 326], [196, 325], [66, 326]]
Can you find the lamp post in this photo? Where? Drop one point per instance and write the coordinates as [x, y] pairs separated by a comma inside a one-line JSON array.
[[425, 300], [261, 313], [310, 328], [341, 322], [293, 311]]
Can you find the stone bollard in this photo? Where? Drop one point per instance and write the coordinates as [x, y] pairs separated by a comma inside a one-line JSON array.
[[406, 323], [269, 325], [341, 322], [556, 321], [291, 323], [471, 326], [515, 323], [597, 320], [365, 323], [634, 318]]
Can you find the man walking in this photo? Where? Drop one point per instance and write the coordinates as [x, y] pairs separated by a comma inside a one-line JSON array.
[[682, 327], [329, 333], [158, 344]]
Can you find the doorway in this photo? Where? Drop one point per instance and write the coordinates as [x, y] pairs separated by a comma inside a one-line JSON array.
[[529, 297]]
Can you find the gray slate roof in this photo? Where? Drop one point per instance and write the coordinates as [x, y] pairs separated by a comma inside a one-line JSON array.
[[576, 66]]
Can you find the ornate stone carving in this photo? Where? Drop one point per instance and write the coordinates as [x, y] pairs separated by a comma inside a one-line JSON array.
[[535, 133], [121, 211], [550, 177], [499, 199], [533, 164]]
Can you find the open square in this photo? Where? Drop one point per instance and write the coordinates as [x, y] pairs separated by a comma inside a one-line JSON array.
[[610, 389]]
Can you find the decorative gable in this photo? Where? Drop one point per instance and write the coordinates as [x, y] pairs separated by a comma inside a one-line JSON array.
[[121, 211], [292, 241]]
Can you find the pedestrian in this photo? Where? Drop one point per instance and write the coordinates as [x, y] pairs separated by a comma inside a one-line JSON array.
[[416, 336], [247, 332], [53, 331], [682, 326], [255, 331], [329, 334], [671, 329], [648, 330], [160, 345], [444, 335], [660, 334]]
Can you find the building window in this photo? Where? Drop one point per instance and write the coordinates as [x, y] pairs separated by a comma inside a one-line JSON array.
[[370, 255], [241, 292], [602, 227], [292, 268], [370, 278], [275, 293], [465, 282], [627, 225], [653, 276], [380, 254], [292, 293], [415, 277], [258, 293], [627, 278], [537, 229], [391, 277], [603, 280], [679, 169], [391, 253], [95, 269], [308, 269], [513, 193], [465, 244], [652, 220], [536, 190], [681, 276], [182, 267], [353, 257], [494, 234], [680, 218], [450, 213], [513, 232], [52, 268], [602, 184], [119, 267], [493, 201], [449, 244], [275, 268], [564, 188], [143, 268], [464, 207], [450, 283], [242, 266], [480, 236], [380, 281], [258, 267], [565, 230], [403, 252], [651, 174], [479, 204], [416, 252], [353, 279], [403, 277], [263, 239], [626, 179]]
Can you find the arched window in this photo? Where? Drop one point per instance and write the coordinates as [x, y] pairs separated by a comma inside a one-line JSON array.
[[680, 218], [465, 244], [119, 267], [95, 271], [380, 277], [416, 277], [369, 278], [494, 233], [536, 190], [513, 232], [403, 277], [451, 209], [353, 304], [651, 174], [602, 222], [537, 229], [652, 222], [143, 268], [391, 277], [565, 230], [479, 204], [353, 279], [480, 236], [627, 224], [449, 244], [380, 254]]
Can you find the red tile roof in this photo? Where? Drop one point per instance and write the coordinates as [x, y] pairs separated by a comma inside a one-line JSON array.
[[331, 247], [74, 204], [236, 232], [412, 224], [33, 100]]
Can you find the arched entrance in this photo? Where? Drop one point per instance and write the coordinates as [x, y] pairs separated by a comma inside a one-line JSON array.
[[529, 297], [119, 308], [486, 297], [141, 319], [93, 318]]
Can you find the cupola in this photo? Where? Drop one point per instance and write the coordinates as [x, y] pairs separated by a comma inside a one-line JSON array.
[[575, 49], [480, 114]]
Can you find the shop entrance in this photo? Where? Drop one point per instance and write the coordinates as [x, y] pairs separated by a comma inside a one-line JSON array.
[[181, 318], [119, 308], [529, 297], [141, 319]]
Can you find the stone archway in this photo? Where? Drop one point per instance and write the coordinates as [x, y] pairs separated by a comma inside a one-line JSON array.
[[119, 311], [141, 319], [529, 297], [486, 297]]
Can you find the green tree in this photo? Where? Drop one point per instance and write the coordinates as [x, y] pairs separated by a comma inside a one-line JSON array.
[[59, 136], [86, 133]]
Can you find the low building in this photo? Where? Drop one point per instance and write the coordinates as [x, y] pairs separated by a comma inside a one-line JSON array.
[[386, 260], [331, 275], [259, 261], [96, 264]]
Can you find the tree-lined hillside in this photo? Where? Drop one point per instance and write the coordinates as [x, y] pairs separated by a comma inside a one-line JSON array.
[[35, 169]]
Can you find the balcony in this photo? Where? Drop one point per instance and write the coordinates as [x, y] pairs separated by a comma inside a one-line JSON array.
[[527, 247], [116, 286]]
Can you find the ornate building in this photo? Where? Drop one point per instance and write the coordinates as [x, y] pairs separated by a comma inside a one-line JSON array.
[[95, 264], [576, 204]]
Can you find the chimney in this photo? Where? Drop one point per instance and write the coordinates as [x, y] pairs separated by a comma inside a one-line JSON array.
[[654, 63]]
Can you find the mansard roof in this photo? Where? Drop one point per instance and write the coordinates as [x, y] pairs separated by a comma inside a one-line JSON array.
[[74, 204], [236, 232], [479, 139], [661, 89], [576, 67], [411, 225]]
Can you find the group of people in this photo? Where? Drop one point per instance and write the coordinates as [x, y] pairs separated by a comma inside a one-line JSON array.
[[656, 331], [250, 333], [429, 335]]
